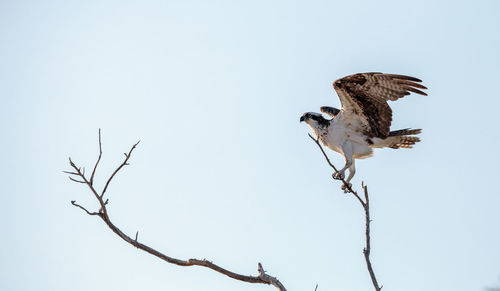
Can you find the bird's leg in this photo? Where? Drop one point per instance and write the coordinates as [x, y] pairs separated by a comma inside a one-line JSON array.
[[347, 152], [352, 171], [340, 175]]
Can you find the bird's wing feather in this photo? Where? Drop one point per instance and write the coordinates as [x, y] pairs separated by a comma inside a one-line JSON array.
[[364, 97], [330, 111]]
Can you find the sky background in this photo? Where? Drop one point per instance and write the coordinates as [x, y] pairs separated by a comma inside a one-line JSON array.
[[225, 171]]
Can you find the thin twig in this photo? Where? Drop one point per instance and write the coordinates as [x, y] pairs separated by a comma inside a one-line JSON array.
[[262, 278], [71, 173], [366, 207], [98, 160], [75, 180], [83, 208], [127, 156]]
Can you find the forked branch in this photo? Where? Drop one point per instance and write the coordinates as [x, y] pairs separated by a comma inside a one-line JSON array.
[[366, 207], [78, 173]]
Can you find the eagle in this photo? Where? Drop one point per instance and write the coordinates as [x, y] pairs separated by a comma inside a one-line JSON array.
[[364, 119]]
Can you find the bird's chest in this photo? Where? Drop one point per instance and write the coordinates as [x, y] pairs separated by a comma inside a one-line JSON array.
[[334, 138]]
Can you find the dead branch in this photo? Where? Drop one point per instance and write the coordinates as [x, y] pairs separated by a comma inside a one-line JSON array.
[[98, 159], [83, 208], [366, 207], [261, 278], [127, 156]]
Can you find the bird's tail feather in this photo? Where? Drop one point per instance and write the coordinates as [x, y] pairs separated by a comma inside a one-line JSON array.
[[406, 131], [402, 138]]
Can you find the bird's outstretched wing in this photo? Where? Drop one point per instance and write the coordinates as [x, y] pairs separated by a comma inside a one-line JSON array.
[[364, 98], [332, 111]]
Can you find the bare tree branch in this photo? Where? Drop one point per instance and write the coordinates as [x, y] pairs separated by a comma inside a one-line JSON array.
[[366, 207], [367, 249], [83, 208], [270, 279], [98, 160], [262, 277], [71, 173], [127, 156], [75, 180]]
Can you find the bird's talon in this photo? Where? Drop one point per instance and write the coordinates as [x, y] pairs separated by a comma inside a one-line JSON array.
[[338, 176], [346, 187]]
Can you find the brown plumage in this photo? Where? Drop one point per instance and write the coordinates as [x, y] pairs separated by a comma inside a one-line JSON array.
[[405, 131], [366, 95], [329, 110], [364, 120], [406, 142]]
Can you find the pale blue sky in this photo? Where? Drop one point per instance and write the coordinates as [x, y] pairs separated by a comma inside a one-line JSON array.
[[224, 171]]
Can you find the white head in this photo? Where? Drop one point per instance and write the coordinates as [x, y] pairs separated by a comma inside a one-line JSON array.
[[315, 120]]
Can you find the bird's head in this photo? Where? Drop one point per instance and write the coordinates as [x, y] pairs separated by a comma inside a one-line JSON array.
[[315, 120]]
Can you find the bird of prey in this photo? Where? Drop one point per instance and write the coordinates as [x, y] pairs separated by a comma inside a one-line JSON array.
[[364, 119]]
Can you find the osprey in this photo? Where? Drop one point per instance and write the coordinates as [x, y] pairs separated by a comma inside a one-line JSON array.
[[364, 119]]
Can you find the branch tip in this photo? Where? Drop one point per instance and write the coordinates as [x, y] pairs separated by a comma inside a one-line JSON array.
[[98, 160], [71, 173], [260, 269], [77, 181], [83, 208]]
